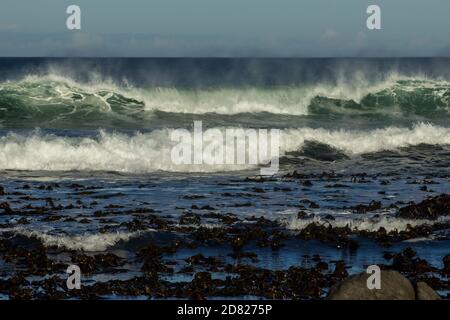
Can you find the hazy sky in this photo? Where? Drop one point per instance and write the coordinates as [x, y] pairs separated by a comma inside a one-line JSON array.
[[225, 28]]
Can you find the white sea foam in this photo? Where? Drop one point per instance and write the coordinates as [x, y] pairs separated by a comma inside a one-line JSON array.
[[359, 141], [138, 153], [85, 242], [356, 223], [150, 152]]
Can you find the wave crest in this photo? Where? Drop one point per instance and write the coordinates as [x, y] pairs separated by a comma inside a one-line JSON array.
[[149, 152], [55, 99]]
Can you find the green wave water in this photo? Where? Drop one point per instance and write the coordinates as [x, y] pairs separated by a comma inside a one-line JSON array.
[[62, 103]]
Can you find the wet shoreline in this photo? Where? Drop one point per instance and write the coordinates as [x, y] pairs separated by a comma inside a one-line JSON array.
[[163, 238]]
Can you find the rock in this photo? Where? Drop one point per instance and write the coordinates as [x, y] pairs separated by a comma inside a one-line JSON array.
[[325, 234], [295, 175], [237, 243], [6, 208], [241, 255], [196, 297], [446, 261], [271, 241], [193, 196], [28, 254], [200, 259], [431, 208], [372, 206], [313, 205], [228, 219], [307, 183], [202, 285], [203, 234], [337, 185], [425, 292], [322, 266], [2, 191], [302, 215], [407, 261], [152, 266], [339, 270], [23, 221], [51, 218], [316, 258], [21, 294], [208, 207], [90, 264], [135, 225], [394, 286], [190, 218]]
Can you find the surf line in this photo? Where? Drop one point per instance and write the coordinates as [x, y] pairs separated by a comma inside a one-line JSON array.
[[237, 147], [200, 311]]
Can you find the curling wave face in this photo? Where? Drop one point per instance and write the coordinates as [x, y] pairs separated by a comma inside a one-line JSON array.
[[56, 101]]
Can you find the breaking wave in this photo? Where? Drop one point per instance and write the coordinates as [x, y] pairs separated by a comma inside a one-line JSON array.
[[149, 152], [59, 101], [86, 242], [370, 224]]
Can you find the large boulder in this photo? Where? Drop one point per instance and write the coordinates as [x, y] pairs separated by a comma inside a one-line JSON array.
[[424, 292], [394, 286]]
